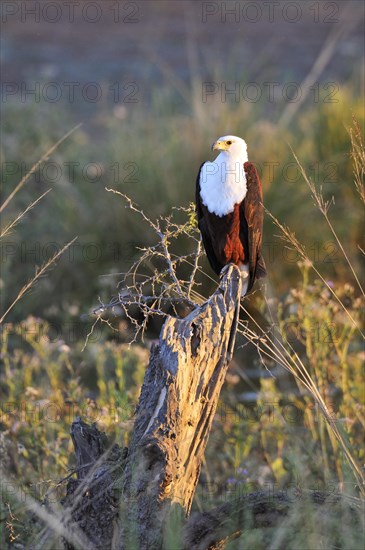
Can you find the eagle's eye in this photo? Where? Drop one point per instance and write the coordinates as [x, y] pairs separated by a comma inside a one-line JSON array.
[[229, 142]]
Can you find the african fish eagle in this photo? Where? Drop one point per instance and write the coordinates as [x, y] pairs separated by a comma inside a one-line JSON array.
[[230, 211]]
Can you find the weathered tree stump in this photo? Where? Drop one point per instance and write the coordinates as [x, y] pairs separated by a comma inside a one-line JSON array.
[[174, 416], [176, 408]]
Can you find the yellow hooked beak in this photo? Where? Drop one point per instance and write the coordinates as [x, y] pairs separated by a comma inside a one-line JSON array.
[[219, 146]]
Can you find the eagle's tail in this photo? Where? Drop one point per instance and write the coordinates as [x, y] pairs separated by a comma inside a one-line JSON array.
[[260, 268]]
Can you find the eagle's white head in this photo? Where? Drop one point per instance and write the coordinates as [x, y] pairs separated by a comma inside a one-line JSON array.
[[233, 146], [223, 181]]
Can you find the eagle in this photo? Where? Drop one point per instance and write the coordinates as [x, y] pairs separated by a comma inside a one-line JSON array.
[[230, 211]]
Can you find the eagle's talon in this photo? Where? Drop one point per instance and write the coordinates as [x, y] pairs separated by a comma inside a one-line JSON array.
[[224, 271]]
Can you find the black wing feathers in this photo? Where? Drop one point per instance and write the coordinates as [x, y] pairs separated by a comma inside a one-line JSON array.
[[253, 213]]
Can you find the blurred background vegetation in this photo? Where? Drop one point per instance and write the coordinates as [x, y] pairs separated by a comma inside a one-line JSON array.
[[146, 136]]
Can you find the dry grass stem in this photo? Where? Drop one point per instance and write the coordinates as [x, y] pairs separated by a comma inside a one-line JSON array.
[[289, 237], [13, 223], [40, 272], [36, 165], [323, 207]]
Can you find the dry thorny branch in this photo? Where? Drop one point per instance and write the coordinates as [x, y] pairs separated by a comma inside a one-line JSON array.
[[159, 281]]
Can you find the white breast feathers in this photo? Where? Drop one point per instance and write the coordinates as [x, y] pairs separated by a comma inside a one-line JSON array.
[[223, 183]]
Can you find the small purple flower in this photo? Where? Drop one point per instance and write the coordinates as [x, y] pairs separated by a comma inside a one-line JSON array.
[[231, 481]]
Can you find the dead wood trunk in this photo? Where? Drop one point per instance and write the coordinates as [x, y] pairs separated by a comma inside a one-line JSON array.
[[174, 416], [175, 413]]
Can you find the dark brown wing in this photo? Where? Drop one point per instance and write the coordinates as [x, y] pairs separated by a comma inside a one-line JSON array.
[[253, 213], [203, 224]]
